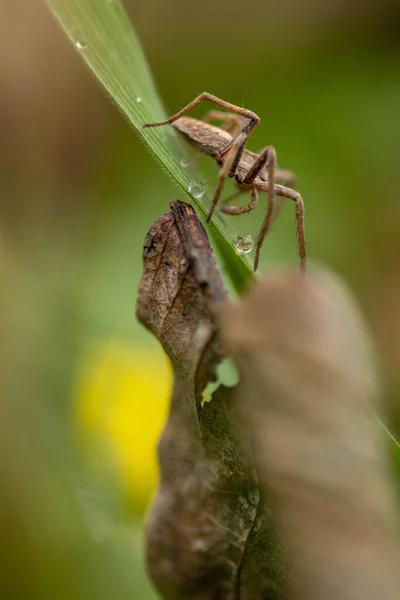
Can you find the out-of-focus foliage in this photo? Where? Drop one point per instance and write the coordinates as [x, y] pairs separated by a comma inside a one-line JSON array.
[[122, 397], [77, 195]]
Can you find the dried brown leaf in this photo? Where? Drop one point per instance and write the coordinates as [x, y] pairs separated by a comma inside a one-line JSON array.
[[307, 399], [209, 534]]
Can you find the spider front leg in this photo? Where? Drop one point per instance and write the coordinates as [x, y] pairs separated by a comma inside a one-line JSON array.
[[253, 119], [284, 192], [266, 158], [228, 169]]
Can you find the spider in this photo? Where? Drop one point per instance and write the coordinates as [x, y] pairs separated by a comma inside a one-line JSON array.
[[253, 172]]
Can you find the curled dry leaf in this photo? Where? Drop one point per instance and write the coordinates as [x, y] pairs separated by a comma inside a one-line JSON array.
[[308, 394], [209, 534]]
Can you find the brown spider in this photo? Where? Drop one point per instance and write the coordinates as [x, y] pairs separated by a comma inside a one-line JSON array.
[[253, 172]]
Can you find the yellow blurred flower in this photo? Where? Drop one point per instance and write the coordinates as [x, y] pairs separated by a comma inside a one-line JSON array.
[[122, 398]]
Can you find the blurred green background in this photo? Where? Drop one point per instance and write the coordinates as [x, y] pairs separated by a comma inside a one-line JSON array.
[[84, 390]]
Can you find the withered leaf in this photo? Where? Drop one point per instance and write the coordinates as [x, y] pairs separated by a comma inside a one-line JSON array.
[[308, 394], [209, 534]]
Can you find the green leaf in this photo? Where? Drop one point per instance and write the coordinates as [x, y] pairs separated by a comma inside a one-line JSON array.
[[103, 35]]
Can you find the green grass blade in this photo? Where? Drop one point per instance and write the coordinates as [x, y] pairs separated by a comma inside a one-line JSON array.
[[103, 35]]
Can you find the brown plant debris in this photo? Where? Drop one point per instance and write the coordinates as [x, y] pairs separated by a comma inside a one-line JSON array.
[[308, 395], [209, 535], [298, 434]]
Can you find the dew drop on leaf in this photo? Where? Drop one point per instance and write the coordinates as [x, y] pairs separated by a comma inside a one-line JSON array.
[[196, 189], [244, 243]]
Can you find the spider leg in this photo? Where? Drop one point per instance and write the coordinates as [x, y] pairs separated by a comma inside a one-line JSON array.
[[238, 193], [286, 177], [233, 123], [231, 160], [266, 157], [241, 210], [284, 192], [248, 127], [238, 210]]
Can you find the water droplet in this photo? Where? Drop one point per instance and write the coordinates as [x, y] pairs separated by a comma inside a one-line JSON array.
[[184, 163], [138, 99], [197, 189], [81, 45], [244, 243]]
